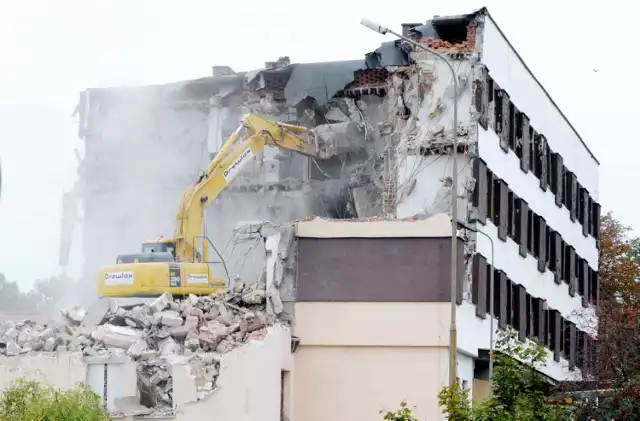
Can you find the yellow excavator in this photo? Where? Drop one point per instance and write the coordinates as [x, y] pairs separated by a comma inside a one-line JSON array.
[[180, 265]]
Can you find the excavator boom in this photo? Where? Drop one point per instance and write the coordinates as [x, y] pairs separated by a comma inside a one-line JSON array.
[[174, 264]]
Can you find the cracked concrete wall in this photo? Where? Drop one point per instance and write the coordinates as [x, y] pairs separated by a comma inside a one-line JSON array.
[[248, 387]]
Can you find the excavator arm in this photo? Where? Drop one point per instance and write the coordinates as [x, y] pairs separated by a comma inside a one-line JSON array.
[[242, 146]]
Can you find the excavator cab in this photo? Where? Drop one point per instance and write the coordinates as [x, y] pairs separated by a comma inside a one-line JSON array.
[[159, 246]]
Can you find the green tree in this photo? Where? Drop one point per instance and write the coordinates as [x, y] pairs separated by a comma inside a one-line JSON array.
[[518, 388], [27, 400]]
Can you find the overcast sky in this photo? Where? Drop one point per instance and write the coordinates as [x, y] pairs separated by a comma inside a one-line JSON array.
[[51, 50]]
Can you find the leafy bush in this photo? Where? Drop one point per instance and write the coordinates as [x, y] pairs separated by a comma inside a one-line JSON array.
[[518, 389], [402, 414], [28, 400]]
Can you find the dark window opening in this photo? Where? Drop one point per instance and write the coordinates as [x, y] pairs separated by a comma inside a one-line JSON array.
[[530, 232], [517, 129], [496, 202], [490, 88], [547, 329], [536, 235], [537, 156], [452, 30], [550, 169], [547, 243], [512, 127], [529, 328], [511, 222], [510, 303], [581, 204], [566, 263], [497, 111], [489, 197], [532, 149], [562, 260], [515, 306], [566, 187]]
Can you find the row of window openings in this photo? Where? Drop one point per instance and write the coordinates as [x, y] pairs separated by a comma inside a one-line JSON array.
[[529, 316], [513, 218], [515, 132]]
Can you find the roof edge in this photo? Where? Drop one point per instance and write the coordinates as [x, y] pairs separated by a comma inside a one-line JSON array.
[[485, 12]]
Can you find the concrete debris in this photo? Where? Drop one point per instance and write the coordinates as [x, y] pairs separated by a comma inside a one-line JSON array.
[[162, 336]]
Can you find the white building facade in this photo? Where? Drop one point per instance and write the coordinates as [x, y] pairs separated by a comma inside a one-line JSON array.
[[526, 180]]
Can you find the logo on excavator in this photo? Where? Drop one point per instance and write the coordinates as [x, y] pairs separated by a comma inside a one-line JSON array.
[[237, 165], [118, 278]]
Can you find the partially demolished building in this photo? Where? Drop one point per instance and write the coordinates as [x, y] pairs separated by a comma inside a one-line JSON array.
[[350, 287]]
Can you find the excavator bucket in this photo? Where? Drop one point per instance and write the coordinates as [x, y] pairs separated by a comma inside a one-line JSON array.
[[339, 138]]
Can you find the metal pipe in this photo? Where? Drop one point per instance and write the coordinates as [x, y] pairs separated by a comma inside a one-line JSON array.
[[491, 299], [453, 331]]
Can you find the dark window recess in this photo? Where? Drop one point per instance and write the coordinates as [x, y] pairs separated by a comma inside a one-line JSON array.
[[506, 122], [532, 148], [547, 326], [479, 89], [489, 196], [480, 190], [583, 287], [490, 99], [511, 213], [484, 97], [565, 187], [542, 244], [512, 304], [522, 312], [522, 226], [495, 214], [537, 159], [487, 289], [555, 332], [569, 352], [540, 324], [512, 126], [547, 245], [529, 316], [550, 169], [530, 233], [589, 216], [515, 306], [563, 260], [503, 291], [517, 131], [595, 219], [594, 287], [570, 194], [478, 284], [556, 253], [565, 263], [504, 211], [525, 141], [571, 270], [544, 158], [497, 298], [579, 204], [584, 206], [580, 348], [536, 235], [557, 177], [497, 110]]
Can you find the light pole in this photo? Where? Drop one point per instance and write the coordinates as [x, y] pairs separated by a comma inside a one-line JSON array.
[[491, 298], [453, 333]]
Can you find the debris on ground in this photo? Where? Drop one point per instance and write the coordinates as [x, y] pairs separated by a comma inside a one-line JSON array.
[[192, 331]]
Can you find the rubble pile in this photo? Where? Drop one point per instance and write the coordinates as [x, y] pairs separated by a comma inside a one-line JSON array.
[[158, 334]]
